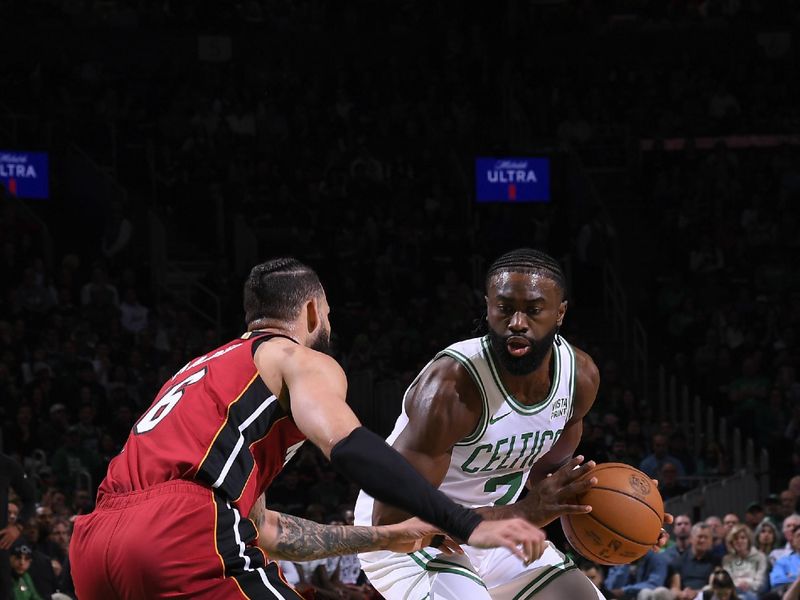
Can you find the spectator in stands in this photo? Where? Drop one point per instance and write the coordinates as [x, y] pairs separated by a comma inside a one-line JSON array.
[[595, 574], [772, 506], [754, 514], [668, 483], [55, 498], [653, 462], [720, 587], [718, 548], [647, 573], [790, 523], [20, 558], [728, 521], [794, 485], [44, 520], [679, 449], [42, 573], [746, 564], [619, 452], [55, 427], [692, 570], [13, 515], [23, 436], [99, 293], [714, 461], [82, 503], [767, 539], [788, 503], [59, 536], [133, 314], [787, 568], [681, 534], [71, 459]]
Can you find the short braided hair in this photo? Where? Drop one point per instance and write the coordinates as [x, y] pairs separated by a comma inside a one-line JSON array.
[[528, 260], [278, 288]]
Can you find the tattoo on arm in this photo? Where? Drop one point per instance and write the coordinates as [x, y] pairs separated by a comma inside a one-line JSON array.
[[300, 539]]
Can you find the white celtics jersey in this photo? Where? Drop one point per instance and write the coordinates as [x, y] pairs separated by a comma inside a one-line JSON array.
[[490, 465]]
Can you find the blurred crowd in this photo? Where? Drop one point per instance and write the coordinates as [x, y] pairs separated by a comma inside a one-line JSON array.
[[359, 164]]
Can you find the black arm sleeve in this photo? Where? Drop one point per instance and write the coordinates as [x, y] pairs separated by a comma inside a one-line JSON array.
[[366, 459]]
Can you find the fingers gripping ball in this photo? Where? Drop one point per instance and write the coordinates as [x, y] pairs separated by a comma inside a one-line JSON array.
[[626, 518]]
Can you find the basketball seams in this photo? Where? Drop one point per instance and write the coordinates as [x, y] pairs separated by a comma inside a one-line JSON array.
[[617, 533], [639, 500]]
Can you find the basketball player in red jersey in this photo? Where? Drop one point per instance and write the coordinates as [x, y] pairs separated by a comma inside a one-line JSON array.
[[172, 513]]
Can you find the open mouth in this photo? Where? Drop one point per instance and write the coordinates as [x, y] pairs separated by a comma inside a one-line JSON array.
[[518, 346]]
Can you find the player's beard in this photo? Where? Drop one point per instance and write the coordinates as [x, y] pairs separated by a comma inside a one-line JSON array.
[[528, 363], [322, 343]]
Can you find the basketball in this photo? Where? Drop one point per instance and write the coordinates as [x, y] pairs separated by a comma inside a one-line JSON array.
[[626, 519]]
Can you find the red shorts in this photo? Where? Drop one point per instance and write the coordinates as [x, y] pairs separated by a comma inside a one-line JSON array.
[[174, 540]]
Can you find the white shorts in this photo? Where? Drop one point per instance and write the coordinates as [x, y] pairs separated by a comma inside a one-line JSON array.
[[493, 574]]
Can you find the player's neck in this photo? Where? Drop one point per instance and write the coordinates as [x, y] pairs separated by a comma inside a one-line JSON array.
[[268, 326], [527, 388]]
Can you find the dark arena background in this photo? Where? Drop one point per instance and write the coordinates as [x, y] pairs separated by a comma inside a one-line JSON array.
[[152, 152]]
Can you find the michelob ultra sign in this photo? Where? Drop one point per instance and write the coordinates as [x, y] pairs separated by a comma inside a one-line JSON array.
[[512, 179], [25, 174]]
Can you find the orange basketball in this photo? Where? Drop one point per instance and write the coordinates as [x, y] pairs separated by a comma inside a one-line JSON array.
[[626, 518]]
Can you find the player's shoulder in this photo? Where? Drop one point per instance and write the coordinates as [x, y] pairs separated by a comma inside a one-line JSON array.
[[585, 365], [289, 357], [447, 368], [445, 378], [444, 395], [587, 375]]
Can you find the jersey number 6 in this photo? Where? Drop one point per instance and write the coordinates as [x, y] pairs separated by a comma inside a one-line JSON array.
[[166, 403]]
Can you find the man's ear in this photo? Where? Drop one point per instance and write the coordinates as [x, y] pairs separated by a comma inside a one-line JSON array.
[[312, 314], [562, 310]]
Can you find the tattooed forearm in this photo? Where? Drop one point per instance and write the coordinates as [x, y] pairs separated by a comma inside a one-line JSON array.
[[259, 512], [299, 539]]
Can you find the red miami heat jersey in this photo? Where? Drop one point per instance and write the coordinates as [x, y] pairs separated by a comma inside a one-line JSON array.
[[216, 422]]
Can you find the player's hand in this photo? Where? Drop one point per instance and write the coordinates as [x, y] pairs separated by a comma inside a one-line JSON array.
[[412, 534], [524, 540], [8, 536], [663, 537], [555, 494]]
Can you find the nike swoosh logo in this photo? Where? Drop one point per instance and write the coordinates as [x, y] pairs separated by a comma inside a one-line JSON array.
[[494, 420]]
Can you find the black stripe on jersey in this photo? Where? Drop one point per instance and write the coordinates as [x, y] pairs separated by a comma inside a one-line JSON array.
[[256, 405], [242, 562]]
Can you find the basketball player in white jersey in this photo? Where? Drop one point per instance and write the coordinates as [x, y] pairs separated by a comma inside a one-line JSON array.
[[485, 417]]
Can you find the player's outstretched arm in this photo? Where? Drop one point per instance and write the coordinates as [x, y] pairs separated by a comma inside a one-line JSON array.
[[291, 538]]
